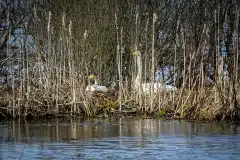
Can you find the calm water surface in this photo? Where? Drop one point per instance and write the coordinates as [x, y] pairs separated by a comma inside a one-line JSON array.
[[126, 138]]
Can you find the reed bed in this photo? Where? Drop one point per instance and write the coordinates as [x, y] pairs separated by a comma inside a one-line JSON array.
[[53, 80]]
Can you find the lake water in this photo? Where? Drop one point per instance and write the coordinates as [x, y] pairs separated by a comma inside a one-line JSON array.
[[120, 138]]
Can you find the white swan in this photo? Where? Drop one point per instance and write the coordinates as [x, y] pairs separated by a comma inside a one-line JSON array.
[[95, 87], [146, 87]]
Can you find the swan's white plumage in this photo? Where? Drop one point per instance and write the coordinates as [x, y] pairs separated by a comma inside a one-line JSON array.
[[96, 88], [146, 87], [157, 87]]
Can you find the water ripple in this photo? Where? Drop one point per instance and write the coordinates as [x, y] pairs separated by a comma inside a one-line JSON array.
[[133, 139]]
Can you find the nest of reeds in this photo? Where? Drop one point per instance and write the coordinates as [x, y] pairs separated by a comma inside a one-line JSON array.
[[104, 103]]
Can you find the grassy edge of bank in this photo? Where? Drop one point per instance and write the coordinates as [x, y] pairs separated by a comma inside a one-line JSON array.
[[107, 105]]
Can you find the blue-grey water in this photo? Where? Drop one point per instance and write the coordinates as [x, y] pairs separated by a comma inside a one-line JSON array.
[[120, 138]]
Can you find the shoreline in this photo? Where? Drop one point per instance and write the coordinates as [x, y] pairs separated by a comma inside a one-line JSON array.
[[137, 114], [103, 105]]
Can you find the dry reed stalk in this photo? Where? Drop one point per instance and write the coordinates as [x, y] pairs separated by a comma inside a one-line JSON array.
[[119, 62], [10, 64], [153, 61], [235, 43], [175, 57], [184, 65], [71, 69], [145, 63], [64, 47], [216, 52], [47, 58], [138, 90], [120, 71]]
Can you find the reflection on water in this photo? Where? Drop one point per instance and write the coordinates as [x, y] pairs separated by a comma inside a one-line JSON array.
[[124, 138]]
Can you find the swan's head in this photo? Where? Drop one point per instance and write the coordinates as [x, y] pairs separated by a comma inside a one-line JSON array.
[[136, 53], [91, 77]]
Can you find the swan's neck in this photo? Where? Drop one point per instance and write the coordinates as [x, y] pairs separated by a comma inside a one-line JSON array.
[[139, 72], [95, 82]]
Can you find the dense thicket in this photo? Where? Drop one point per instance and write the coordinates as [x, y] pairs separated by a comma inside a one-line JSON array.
[[198, 39]]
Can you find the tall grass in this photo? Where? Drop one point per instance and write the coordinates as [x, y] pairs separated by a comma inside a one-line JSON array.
[[54, 81]]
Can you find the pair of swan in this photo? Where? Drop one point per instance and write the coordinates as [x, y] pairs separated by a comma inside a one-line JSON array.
[[145, 87]]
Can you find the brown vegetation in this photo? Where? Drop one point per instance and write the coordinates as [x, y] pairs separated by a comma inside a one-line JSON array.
[[73, 38]]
